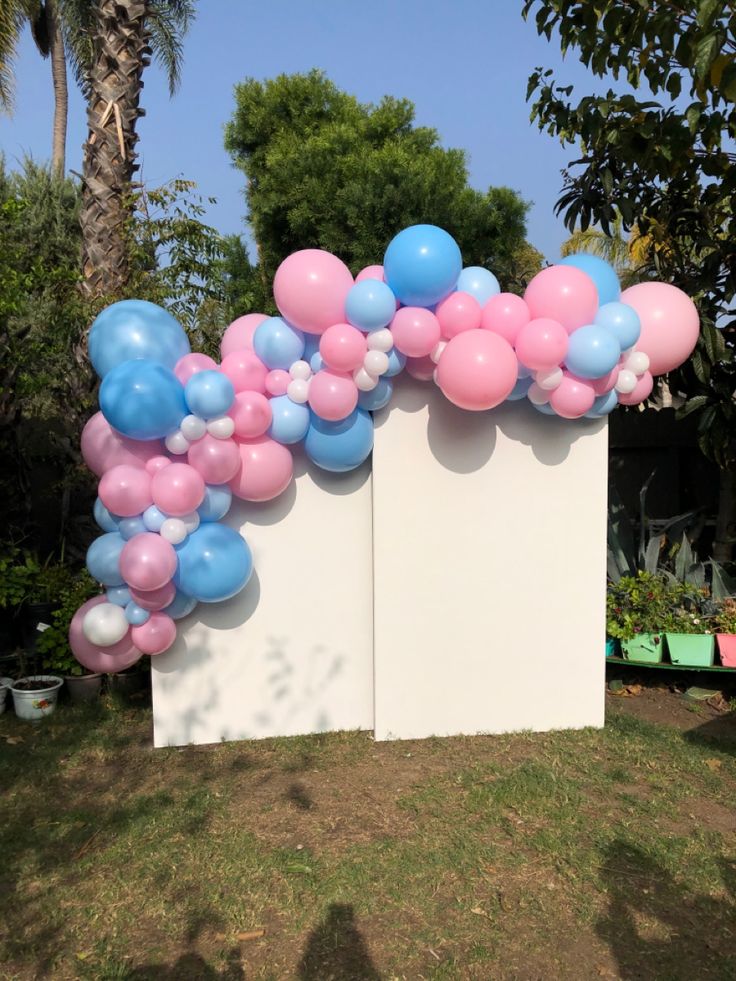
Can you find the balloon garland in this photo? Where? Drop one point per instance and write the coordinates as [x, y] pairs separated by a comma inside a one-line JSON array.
[[178, 435]]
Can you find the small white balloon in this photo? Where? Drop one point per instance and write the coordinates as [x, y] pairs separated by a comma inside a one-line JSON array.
[[380, 340], [537, 395], [549, 379], [173, 530], [177, 443], [300, 370], [364, 381], [298, 390], [105, 624], [638, 362], [376, 362], [191, 521], [436, 352], [193, 428], [626, 381], [221, 427]]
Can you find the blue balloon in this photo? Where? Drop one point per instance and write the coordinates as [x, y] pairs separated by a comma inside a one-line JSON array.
[[119, 595], [214, 563], [601, 272], [311, 346], [622, 321], [103, 559], [340, 446], [153, 518], [520, 389], [316, 363], [396, 363], [592, 352], [142, 400], [277, 343], [104, 518], [134, 329], [370, 305], [136, 615], [129, 527], [523, 372], [216, 503], [603, 405], [422, 265], [209, 394], [180, 606], [478, 282], [290, 420], [378, 397]]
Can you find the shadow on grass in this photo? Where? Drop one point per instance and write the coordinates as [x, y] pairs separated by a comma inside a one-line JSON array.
[[718, 733], [656, 927], [335, 949], [189, 967]]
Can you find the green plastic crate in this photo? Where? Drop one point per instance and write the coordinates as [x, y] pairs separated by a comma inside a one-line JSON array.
[[691, 650], [645, 648]]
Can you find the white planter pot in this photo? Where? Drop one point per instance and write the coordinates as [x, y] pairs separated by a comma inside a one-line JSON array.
[[5, 684], [34, 705]]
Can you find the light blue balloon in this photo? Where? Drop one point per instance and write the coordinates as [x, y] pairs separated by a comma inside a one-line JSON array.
[[103, 559], [603, 405], [180, 606], [478, 282], [340, 446], [520, 389], [622, 321], [524, 372], [370, 305], [592, 352], [104, 518], [277, 343], [134, 329], [129, 527], [142, 400], [290, 420], [311, 346], [601, 272], [136, 615], [216, 503], [422, 265], [215, 563], [119, 595], [153, 518], [378, 397], [396, 363], [546, 409], [209, 394], [316, 363]]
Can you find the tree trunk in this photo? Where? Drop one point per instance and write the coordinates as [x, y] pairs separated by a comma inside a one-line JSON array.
[[121, 53], [61, 94], [726, 518]]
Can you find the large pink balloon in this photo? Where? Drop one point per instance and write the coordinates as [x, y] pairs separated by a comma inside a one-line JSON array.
[[644, 386], [266, 469], [458, 312], [177, 489], [343, 347], [239, 335], [541, 344], [669, 324], [111, 659], [190, 364], [245, 370], [156, 635], [103, 447], [154, 599], [251, 414], [573, 397], [217, 460], [505, 314], [126, 490], [477, 370], [565, 294], [416, 331], [147, 561], [310, 288], [332, 395]]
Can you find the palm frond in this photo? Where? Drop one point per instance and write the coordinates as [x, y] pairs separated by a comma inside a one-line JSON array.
[[12, 17], [168, 22]]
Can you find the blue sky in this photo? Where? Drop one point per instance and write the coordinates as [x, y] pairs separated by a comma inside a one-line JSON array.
[[464, 65]]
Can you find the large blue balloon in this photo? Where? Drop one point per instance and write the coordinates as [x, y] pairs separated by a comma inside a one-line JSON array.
[[601, 272], [592, 352], [180, 606], [290, 420], [209, 394], [478, 282], [216, 503], [370, 305], [622, 321], [377, 397], [142, 400], [214, 563], [103, 559], [422, 265], [277, 343], [132, 329], [340, 446]]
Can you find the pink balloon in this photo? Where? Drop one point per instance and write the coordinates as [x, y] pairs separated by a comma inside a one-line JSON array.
[[565, 294], [157, 463], [422, 369], [251, 414], [126, 490], [190, 364], [177, 489], [103, 447], [310, 288], [477, 370], [505, 314], [217, 460], [266, 469], [416, 331], [239, 335], [277, 381], [603, 385], [370, 272], [343, 347], [573, 397], [154, 599], [458, 312], [541, 344], [669, 324], [332, 395], [111, 659], [147, 561], [245, 370], [644, 386], [156, 635]]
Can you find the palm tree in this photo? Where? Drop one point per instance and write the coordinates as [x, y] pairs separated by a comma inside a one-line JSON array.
[[628, 255]]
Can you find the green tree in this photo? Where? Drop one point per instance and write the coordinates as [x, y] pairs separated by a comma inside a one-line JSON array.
[[664, 163]]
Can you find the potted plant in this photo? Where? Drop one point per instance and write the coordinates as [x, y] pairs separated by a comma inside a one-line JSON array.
[[34, 695], [724, 624], [638, 610], [53, 641], [5, 684], [690, 641]]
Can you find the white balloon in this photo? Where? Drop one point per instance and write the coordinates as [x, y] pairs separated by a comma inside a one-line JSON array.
[[638, 362], [192, 428], [626, 381], [376, 362], [549, 379], [191, 521], [537, 395], [177, 443], [105, 624], [436, 352], [380, 340], [364, 381], [300, 370], [173, 530], [436, 376], [298, 390], [221, 427]]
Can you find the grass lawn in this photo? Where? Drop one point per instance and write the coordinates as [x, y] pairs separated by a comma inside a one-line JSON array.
[[592, 854]]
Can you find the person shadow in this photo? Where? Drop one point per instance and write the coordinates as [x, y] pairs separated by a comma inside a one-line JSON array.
[[335, 950]]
